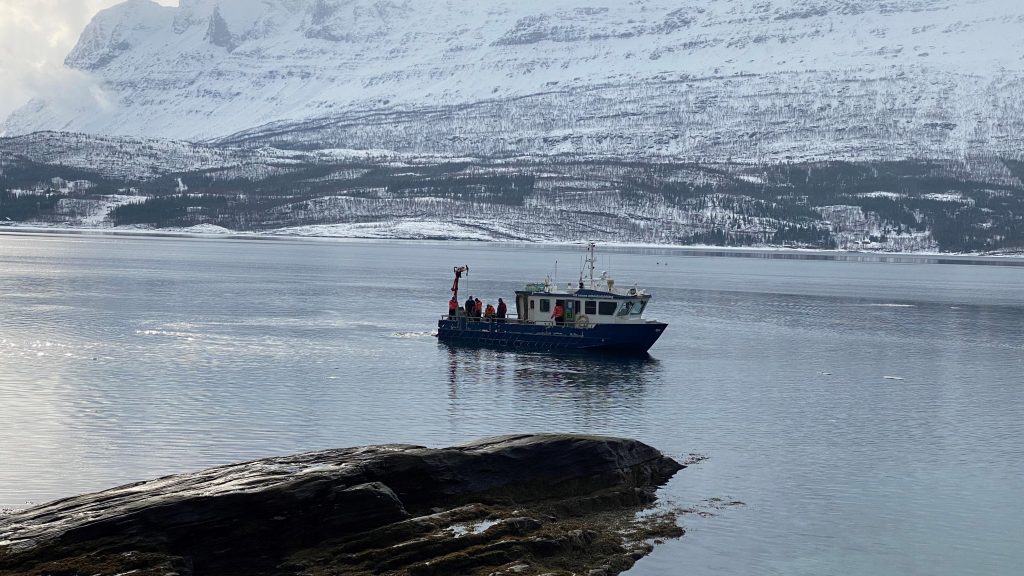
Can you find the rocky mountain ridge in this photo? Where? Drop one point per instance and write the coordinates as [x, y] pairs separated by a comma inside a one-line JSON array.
[[744, 80]]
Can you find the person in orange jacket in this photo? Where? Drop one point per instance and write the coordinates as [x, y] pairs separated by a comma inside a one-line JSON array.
[[453, 305], [558, 314], [478, 308], [489, 312]]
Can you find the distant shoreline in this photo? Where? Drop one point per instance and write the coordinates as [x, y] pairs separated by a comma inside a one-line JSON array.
[[1007, 259]]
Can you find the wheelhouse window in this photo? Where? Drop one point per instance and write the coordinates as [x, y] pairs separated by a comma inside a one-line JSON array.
[[633, 308], [606, 308], [639, 308], [590, 307], [545, 305]]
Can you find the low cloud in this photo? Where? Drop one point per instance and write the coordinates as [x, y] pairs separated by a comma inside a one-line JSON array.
[[35, 37]]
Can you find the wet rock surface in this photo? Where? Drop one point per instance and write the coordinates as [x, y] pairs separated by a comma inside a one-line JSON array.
[[513, 505]]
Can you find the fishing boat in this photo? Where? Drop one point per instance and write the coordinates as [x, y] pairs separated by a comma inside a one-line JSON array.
[[595, 314]]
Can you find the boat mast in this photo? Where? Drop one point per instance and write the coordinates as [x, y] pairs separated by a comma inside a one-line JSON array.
[[588, 265]]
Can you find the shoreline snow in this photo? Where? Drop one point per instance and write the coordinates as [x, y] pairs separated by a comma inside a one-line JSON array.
[[209, 231]]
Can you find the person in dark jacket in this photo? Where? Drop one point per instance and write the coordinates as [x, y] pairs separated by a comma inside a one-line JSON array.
[[470, 306]]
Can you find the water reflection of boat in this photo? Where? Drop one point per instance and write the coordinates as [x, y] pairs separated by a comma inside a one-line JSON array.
[[493, 389], [620, 375], [594, 315]]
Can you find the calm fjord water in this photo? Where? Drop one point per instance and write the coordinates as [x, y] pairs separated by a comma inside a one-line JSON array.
[[870, 415]]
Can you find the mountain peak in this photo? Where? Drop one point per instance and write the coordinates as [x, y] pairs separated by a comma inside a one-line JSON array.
[[115, 31]]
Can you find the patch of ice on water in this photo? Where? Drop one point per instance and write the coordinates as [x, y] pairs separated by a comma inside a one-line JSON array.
[[190, 336]]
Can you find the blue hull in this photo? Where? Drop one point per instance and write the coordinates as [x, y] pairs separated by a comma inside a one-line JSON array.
[[632, 338]]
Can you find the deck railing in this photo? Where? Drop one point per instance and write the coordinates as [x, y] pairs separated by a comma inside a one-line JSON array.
[[506, 320], [515, 321]]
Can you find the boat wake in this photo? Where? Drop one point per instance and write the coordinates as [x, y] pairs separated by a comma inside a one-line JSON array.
[[423, 334]]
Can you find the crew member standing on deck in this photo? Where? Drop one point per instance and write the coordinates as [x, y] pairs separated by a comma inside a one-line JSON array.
[[558, 314], [502, 310], [453, 305], [469, 306], [478, 308]]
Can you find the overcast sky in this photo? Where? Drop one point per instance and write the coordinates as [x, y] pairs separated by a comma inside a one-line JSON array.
[[35, 36]]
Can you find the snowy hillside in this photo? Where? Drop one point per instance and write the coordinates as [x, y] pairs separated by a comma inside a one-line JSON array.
[[751, 80], [60, 179]]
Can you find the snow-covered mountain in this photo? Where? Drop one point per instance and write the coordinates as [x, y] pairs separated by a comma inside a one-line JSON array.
[[747, 80]]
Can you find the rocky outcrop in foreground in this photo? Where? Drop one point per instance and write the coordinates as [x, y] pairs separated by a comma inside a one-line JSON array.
[[535, 504]]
